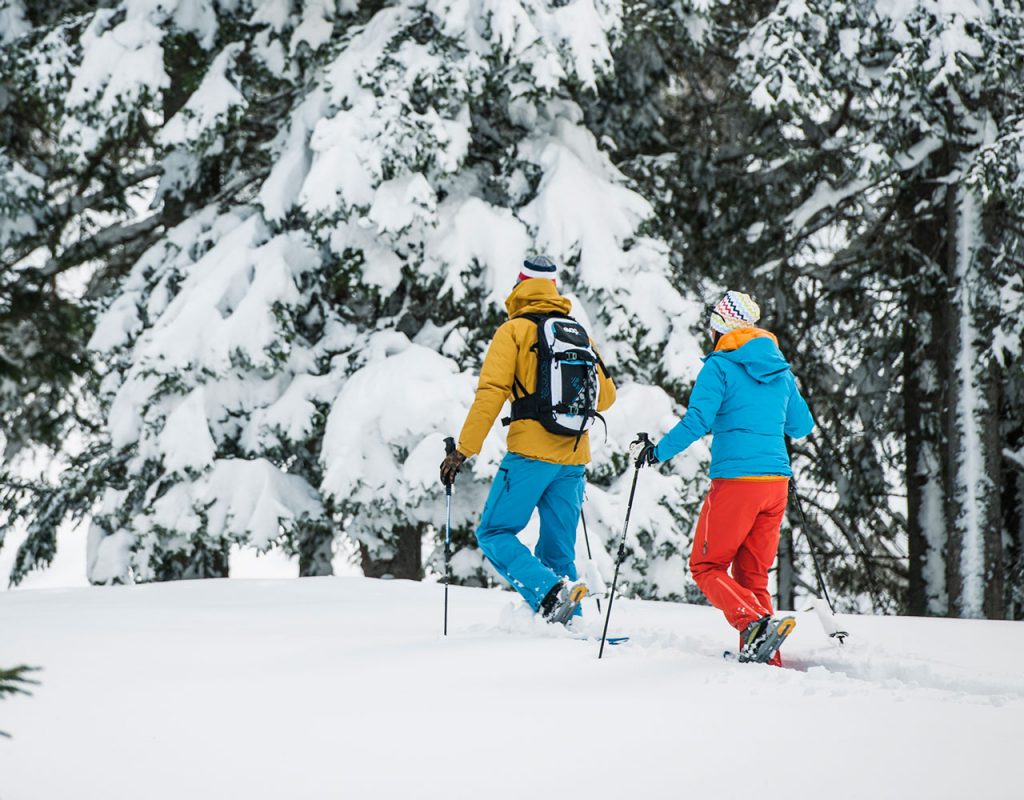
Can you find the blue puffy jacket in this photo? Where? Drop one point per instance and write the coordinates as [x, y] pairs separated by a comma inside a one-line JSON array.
[[746, 396]]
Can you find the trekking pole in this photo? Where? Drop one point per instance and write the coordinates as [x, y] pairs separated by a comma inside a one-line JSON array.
[[449, 448], [590, 556], [830, 626], [640, 437]]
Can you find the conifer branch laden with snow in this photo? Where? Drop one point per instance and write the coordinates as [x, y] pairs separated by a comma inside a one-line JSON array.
[[343, 200]]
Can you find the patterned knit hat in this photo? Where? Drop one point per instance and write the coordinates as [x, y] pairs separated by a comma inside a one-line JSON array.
[[736, 310], [539, 267]]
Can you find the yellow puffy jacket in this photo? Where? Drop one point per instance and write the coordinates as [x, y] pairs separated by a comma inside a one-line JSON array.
[[510, 356]]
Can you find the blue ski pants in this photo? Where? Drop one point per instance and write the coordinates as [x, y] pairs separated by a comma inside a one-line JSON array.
[[521, 485]]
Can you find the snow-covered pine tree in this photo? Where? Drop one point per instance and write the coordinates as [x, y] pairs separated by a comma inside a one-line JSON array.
[[791, 179], [686, 133], [527, 175], [346, 194], [902, 239], [43, 211], [526, 153], [110, 88]]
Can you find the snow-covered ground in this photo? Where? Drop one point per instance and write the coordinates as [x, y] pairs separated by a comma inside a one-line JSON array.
[[345, 688]]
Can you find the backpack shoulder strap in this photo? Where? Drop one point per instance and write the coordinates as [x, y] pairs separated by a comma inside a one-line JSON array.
[[539, 317], [523, 403]]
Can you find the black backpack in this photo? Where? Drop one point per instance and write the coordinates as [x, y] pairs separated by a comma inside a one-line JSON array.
[[565, 401]]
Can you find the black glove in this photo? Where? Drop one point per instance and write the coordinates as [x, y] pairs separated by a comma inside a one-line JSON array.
[[450, 466], [642, 453]]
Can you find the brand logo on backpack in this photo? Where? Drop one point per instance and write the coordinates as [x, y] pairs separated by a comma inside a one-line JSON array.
[[565, 401]]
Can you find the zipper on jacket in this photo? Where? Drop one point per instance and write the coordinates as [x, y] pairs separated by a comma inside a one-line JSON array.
[[707, 524]]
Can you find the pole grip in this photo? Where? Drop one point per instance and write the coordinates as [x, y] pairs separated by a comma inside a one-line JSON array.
[[449, 448], [645, 439]]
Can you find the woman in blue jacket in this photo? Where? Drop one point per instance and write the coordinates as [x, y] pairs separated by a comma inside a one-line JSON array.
[[747, 398]]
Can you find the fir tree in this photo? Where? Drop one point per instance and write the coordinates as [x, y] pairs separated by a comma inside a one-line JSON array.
[[344, 199], [897, 240], [803, 152]]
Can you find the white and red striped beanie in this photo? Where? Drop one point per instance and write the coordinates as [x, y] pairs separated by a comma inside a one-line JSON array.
[[736, 310], [539, 267]]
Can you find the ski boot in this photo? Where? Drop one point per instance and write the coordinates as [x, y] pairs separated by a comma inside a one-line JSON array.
[[561, 602], [761, 639]]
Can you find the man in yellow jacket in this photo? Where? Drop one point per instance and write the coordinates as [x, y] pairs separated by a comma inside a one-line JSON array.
[[542, 470]]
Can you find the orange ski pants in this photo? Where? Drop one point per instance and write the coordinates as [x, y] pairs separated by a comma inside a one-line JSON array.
[[738, 527]]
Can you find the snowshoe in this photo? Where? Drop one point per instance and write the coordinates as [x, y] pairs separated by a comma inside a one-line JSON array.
[[762, 638], [561, 602]]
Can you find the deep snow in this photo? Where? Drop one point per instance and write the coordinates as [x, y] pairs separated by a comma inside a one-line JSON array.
[[344, 687]]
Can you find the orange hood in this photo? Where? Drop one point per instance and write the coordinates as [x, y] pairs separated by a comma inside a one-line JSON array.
[[734, 340]]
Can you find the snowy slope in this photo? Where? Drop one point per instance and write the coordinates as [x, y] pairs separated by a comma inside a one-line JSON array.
[[344, 688]]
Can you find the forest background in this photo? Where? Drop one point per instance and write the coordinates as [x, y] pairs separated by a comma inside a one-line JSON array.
[[251, 254]]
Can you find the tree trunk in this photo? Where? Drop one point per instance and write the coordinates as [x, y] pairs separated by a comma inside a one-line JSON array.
[[925, 369], [785, 576], [207, 559], [1011, 415], [974, 517], [996, 565], [184, 62], [402, 557], [1013, 525], [316, 550]]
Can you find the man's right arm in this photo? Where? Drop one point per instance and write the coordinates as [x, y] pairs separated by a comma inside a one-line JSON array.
[[496, 377]]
